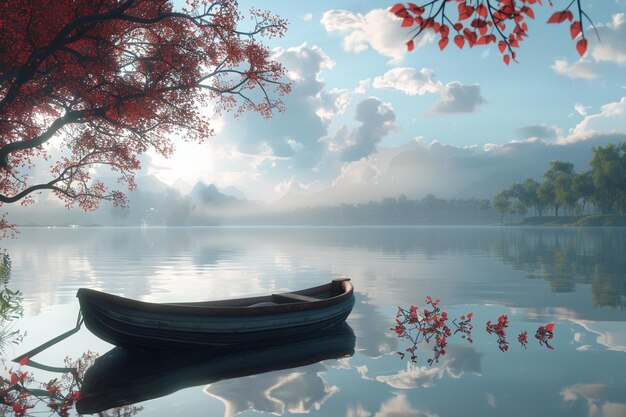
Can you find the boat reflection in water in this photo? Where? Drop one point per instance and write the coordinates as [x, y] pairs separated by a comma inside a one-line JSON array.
[[122, 377]]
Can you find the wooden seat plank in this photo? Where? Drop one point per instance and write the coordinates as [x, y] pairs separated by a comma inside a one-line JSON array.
[[289, 296]]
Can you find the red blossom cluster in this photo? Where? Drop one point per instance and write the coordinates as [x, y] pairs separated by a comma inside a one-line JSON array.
[[499, 329], [427, 325], [545, 333], [522, 338], [464, 327], [482, 22], [431, 324]]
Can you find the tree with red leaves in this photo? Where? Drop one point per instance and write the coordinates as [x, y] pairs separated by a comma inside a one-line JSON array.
[[482, 22], [108, 80]]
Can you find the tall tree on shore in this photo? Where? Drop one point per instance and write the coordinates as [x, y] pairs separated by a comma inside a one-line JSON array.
[[502, 204], [564, 191], [608, 168], [583, 188], [531, 193], [108, 80], [548, 187]]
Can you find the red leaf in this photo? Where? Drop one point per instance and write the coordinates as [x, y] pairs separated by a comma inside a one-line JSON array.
[[459, 40], [458, 26], [14, 378], [482, 10], [470, 36], [550, 327], [502, 46], [445, 30], [410, 45], [559, 17], [397, 8], [24, 360], [443, 42], [575, 29], [407, 21], [581, 46], [469, 315], [529, 12], [478, 23], [417, 10]]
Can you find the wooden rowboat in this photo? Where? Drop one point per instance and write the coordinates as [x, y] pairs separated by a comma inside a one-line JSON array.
[[135, 324]]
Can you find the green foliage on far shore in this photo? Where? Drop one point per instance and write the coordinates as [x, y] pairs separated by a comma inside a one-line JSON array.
[[608, 220], [599, 193]]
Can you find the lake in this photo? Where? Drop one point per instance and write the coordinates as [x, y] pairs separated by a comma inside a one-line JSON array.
[[573, 277]]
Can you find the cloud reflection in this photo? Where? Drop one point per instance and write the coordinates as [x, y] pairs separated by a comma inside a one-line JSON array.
[[595, 396], [399, 406], [297, 391], [458, 361]]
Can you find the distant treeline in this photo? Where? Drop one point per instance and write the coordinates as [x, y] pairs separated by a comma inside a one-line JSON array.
[[599, 190], [392, 211]]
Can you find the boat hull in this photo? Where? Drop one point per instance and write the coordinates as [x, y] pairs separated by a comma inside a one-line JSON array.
[[134, 324]]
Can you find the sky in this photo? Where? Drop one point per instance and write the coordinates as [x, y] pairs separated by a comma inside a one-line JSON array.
[[362, 106]]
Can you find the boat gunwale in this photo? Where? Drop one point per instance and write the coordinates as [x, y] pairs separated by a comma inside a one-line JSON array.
[[216, 308]]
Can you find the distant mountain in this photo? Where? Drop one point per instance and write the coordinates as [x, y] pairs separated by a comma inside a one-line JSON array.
[[233, 192], [209, 195]]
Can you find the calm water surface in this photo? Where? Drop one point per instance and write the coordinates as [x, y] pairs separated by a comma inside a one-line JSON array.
[[573, 277]]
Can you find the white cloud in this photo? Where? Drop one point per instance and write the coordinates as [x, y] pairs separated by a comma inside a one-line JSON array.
[[379, 30], [581, 109], [399, 406], [363, 171], [455, 97], [357, 411], [539, 132], [588, 391], [307, 17], [414, 376], [579, 69], [610, 120], [363, 85], [291, 185], [409, 81], [595, 396], [458, 98], [333, 103], [304, 62], [612, 44], [377, 121]]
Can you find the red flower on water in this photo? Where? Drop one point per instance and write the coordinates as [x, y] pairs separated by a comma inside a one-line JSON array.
[[499, 329], [523, 338], [545, 333]]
